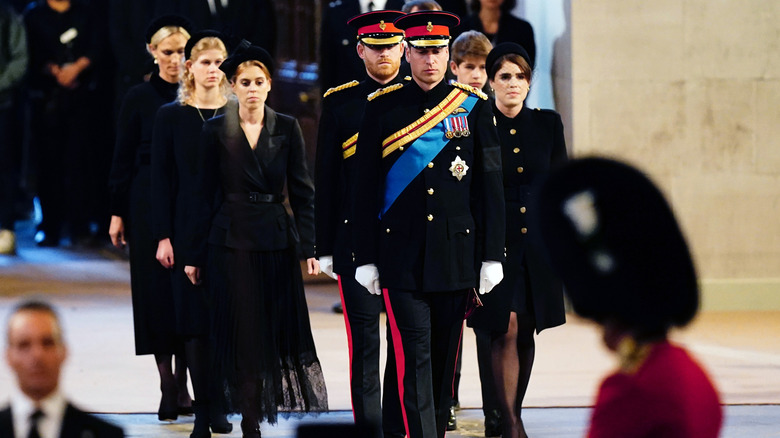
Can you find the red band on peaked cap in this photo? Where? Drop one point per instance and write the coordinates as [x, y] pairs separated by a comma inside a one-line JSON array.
[[376, 22], [427, 23]]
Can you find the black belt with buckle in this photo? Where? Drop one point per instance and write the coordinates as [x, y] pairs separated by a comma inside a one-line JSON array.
[[254, 197]]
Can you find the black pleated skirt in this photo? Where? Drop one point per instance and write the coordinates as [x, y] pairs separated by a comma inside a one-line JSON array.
[[264, 354]]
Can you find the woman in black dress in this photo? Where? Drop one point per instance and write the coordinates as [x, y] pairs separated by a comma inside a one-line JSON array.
[[265, 358], [131, 212], [529, 297], [203, 93]]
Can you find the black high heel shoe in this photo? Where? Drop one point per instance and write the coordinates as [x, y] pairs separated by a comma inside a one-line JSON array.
[[168, 410], [250, 429]]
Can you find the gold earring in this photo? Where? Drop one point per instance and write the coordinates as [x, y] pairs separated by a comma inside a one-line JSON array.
[[155, 60]]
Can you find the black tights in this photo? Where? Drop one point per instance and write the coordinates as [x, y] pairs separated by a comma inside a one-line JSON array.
[[512, 357], [174, 381]]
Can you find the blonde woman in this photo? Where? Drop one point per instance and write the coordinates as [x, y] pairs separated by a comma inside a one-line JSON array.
[[131, 217], [203, 92]]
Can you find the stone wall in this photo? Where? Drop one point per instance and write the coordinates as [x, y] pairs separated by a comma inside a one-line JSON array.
[[689, 91]]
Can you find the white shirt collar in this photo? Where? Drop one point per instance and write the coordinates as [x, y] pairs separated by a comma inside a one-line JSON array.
[[53, 408], [378, 4]]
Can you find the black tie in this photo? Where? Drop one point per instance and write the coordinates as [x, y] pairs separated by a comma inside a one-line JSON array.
[[34, 418]]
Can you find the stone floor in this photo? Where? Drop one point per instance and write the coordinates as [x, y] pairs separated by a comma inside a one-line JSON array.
[[91, 289]]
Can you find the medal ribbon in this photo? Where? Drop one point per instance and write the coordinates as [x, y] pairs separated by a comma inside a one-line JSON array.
[[422, 151]]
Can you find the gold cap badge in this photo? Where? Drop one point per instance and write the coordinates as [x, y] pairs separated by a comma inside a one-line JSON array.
[[429, 28], [382, 24]]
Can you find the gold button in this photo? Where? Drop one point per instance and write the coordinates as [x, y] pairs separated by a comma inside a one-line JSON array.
[[387, 231], [520, 169], [346, 221], [467, 231], [457, 148], [426, 110], [430, 217], [401, 148], [516, 150], [430, 191], [524, 230], [430, 165], [522, 209], [513, 131]]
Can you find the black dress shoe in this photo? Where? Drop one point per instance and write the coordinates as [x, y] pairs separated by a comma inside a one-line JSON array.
[[48, 242], [452, 421], [250, 428], [221, 425], [493, 423]]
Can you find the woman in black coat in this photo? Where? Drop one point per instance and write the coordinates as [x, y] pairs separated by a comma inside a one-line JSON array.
[[265, 358], [529, 297], [203, 93], [131, 211]]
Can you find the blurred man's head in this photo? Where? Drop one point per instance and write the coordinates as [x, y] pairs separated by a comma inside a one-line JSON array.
[[420, 5], [35, 348]]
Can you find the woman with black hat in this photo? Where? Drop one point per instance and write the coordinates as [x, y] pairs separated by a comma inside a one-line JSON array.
[[203, 93], [529, 297], [265, 358], [614, 241], [131, 212]]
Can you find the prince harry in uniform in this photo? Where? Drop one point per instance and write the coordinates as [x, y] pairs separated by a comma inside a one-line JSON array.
[[380, 46], [429, 215]]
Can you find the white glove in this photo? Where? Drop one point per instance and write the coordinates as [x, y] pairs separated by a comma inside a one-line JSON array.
[[368, 277], [489, 276], [326, 266]]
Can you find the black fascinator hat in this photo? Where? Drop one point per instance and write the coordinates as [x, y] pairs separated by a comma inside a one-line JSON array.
[[504, 49], [165, 21], [245, 53], [197, 36]]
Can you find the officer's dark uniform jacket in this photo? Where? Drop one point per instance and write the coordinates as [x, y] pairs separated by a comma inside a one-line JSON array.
[[342, 112], [251, 215], [532, 144], [439, 229]]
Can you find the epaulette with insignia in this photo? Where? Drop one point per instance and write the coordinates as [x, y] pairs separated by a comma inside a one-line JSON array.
[[340, 87], [385, 90], [479, 93]]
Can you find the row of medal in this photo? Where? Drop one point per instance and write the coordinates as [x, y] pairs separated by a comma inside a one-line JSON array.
[[456, 126]]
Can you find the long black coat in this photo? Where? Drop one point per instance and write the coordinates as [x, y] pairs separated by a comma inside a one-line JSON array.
[[342, 113], [440, 229], [532, 143], [175, 143], [231, 170], [130, 184]]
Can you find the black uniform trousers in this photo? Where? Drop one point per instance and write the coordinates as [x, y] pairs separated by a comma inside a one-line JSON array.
[[60, 138], [361, 314], [429, 327]]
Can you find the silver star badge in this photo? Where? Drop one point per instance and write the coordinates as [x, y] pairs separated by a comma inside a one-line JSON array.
[[459, 168]]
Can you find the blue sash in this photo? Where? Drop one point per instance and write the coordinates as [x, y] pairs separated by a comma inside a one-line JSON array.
[[417, 155]]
